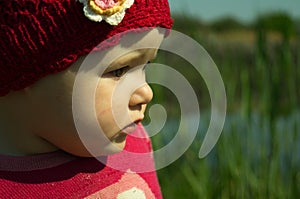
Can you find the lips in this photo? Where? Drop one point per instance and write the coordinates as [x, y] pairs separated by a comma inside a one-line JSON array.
[[129, 128], [121, 136]]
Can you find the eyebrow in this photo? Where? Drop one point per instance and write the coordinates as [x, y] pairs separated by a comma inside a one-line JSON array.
[[132, 61]]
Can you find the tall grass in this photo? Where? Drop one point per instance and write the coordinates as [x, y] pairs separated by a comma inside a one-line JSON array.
[[240, 165], [258, 154]]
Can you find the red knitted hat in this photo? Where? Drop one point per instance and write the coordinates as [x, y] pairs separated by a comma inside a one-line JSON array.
[[41, 37]]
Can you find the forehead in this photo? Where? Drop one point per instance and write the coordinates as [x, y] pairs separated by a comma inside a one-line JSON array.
[[136, 48], [133, 58], [137, 55]]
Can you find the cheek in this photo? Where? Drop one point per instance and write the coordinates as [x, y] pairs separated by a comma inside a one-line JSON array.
[[103, 98], [107, 112], [103, 105]]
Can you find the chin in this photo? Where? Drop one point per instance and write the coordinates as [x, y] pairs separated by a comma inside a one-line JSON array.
[[114, 148]]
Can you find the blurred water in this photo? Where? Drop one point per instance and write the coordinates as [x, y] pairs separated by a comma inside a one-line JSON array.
[[252, 136]]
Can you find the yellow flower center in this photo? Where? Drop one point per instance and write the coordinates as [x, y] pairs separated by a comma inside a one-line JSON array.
[[108, 10]]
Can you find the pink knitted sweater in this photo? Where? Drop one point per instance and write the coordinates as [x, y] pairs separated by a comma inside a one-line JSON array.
[[61, 175]]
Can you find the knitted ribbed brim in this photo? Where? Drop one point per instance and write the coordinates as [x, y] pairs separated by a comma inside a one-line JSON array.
[[41, 37]]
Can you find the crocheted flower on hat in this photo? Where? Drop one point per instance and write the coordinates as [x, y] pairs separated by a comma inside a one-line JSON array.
[[111, 11]]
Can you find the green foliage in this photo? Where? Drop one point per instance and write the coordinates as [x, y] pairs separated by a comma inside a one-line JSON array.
[[280, 22], [225, 24], [186, 23], [297, 26], [257, 155]]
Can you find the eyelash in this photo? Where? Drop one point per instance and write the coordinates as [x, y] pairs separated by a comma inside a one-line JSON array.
[[120, 72]]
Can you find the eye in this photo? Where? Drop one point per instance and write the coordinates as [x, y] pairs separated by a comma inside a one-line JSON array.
[[120, 72], [146, 65]]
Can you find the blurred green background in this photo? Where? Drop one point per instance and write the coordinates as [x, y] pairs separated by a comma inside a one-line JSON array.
[[258, 153]]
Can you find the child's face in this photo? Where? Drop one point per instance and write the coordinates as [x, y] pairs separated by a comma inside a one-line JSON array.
[[51, 100]]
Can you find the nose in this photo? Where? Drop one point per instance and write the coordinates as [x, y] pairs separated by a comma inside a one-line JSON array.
[[142, 95]]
